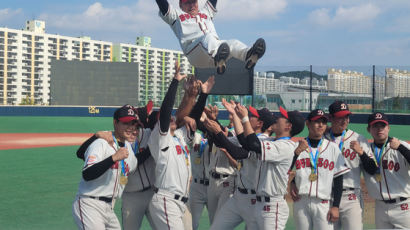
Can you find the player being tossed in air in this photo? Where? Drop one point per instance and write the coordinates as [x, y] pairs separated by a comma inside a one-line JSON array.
[[199, 41]]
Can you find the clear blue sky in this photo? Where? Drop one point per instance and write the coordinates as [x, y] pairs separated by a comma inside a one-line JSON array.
[[297, 32]]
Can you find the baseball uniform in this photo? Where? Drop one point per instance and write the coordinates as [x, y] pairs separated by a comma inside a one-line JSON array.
[[198, 197], [221, 182], [94, 204], [350, 209], [172, 176], [197, 35], [240, 206], [310, 212], [392, 189], [138, 192]]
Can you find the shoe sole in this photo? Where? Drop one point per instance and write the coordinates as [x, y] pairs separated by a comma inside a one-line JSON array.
[[259, 50], [220, 58]]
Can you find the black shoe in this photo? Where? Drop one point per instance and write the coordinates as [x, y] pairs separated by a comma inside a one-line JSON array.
[[255, 53], [220, 58]]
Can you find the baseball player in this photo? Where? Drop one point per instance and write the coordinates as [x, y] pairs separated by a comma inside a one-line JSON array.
[[222, 172], [198, 196], [169, 148], [105, 174], [241, 205], [350, 209], [199, 41], [317, 168], [389, 184], [137, 193]]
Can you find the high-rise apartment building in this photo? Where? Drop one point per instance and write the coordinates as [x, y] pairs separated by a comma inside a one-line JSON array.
[[25, 57], [397, 83], [348, 82]]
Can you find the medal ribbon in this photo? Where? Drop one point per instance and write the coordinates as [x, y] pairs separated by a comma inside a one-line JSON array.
[[314, 159], [342, 139], [282, 138], [135, 147], [122, 161], [182, 147], [378, 154], [202, 147]]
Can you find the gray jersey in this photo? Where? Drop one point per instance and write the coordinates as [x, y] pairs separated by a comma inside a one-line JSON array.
[[190, 29], [352, 159], [273, 166], [330, 164], [395, 176], [106, 185], [171, 154], [200, 157], [144, 175], [219, 162]]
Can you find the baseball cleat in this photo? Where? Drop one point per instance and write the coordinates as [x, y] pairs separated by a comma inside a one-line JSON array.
[[220, 58], [255, 53]]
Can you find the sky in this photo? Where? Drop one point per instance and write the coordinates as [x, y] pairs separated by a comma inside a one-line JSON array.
[[298, 33]]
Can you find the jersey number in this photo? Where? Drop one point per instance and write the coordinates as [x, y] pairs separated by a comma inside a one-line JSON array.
[[404, 207], [348, 154], [391, 165], [352, 197]]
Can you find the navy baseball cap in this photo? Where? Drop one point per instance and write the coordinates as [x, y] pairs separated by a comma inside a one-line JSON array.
[[125, 114], [317, 114], [339, 109], [267, 117], [295, 118], [377, 117]]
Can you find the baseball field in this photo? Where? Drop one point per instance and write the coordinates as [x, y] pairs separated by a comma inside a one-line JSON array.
[[40, 172]]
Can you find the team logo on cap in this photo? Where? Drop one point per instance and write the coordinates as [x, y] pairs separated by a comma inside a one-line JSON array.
[[343, 106], [378, 116], [320, 113]]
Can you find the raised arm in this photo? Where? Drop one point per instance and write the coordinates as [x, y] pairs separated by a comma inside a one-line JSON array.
[[169, 99], [200, 104], [191, 87], [163, 6]]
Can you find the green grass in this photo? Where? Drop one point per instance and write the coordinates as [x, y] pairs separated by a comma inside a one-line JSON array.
[[39, 185]]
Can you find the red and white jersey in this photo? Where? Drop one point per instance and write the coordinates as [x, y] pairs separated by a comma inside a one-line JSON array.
[[395, 176], [273, 166], [352, 159], [189, 29], [219, 162], [331, 163], [172, 157], [200, 157], [144, 175], [108, 184]]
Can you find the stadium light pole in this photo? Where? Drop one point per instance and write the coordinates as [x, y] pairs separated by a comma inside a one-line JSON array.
[[374, 89], [310, 90]]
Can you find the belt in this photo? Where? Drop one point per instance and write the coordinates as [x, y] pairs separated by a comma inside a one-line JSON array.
[[176, 197], [218, 176], [105, 199], [247, 191], [145, 189], [394, 200], [201, 181], [348, 189]]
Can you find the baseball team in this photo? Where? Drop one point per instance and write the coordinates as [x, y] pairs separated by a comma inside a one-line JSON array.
[[168, 168]]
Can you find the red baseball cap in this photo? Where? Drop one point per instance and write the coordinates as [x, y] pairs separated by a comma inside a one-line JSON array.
[[316, 115], [253, 112]]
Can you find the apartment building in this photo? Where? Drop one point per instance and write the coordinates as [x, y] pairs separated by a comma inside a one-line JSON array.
[[265, 83], [348, 82], [397, 83], [26, 54]]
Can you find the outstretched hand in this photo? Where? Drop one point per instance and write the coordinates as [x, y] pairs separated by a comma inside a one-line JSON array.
[[206, 87], [212, 126], [177, 74], [241, 111], [230, 107]]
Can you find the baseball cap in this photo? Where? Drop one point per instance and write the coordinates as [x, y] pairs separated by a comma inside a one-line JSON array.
[[295, 118], [377, 117], [144, 112], [252, 112], [183, 1], [339, 109], [316, 114], [267, 117], [125, 114]]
